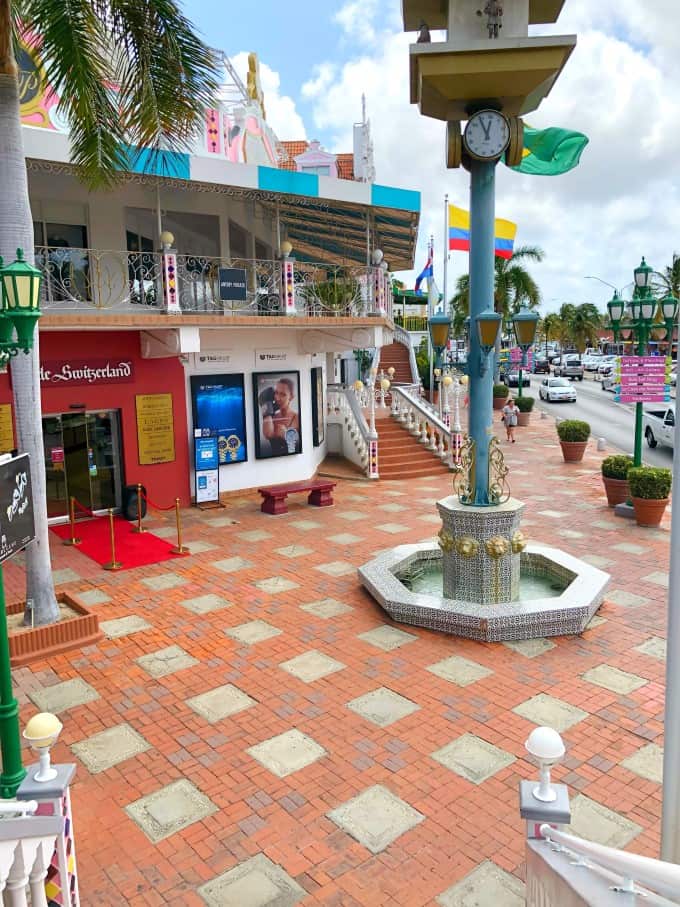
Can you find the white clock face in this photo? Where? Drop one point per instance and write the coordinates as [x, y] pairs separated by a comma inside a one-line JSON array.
[[487, 134]]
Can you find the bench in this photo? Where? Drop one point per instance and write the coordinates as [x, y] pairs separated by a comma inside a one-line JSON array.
[[274, 496]]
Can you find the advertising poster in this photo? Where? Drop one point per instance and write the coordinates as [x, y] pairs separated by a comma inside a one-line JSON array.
[[207, 469], [16, 506], [318, 406], [277, 414], [219, 411]]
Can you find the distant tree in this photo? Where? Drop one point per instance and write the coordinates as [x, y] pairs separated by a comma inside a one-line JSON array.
[[584, 326], [668, 280]]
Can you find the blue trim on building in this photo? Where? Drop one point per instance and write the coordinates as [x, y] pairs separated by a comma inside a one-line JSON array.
[[389, 197], [288, 181], [173, 164]]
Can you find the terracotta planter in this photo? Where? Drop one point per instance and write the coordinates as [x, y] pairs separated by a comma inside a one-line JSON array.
[[523, 418], [616, 489], [649, 512], [26, 646], [573, 451], [499, 402]]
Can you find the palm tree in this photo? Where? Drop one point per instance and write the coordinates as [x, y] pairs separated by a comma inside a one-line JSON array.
[[165, 77], [668, 280], [585, 323]]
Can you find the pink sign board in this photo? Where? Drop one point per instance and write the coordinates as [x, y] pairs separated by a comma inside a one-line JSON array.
[[645, 398]]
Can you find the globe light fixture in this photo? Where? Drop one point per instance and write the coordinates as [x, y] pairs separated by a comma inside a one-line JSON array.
[[616, 308], [439, 326], [377, 256], [547, 748], [286, 248], [41, 733], [642, 275], [167, 239], [488, 325], [525, 323]]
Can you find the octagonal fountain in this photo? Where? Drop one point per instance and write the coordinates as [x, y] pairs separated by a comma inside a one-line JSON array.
[[484, 581]]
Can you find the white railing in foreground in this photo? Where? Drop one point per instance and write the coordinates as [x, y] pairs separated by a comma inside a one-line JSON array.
[[662, 878], [423, 422], [26, 846]]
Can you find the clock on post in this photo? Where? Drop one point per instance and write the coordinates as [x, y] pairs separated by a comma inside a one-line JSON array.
[[487, 135]]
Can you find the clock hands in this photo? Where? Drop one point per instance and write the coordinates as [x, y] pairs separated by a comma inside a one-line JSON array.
[[486, 128]]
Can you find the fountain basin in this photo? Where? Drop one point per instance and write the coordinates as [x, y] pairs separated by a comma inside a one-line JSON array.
[[561, 611]]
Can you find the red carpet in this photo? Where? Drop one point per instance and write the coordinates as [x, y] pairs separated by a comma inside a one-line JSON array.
[[133, 549]]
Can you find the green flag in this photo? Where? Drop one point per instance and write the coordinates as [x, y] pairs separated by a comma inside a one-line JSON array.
[[550, 152]]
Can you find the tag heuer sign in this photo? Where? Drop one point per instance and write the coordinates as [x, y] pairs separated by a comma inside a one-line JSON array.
[[232, 284], [16, 506]]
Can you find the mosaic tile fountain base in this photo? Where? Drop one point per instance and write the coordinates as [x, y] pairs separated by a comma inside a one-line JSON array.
[[481, 550], [562, 615]]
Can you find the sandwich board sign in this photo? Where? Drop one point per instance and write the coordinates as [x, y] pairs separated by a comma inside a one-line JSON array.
[[17, 527]]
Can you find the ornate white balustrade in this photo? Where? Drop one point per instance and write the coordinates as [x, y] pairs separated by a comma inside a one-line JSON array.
[[27, 843], [345, 406], [422, 420]]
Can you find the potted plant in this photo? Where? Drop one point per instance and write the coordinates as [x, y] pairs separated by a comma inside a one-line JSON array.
[[649, 491], [500, 395], [573, 435], [525, 406], [615, 478]]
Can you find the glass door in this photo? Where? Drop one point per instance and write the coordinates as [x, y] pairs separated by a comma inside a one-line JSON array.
[[82, 460]]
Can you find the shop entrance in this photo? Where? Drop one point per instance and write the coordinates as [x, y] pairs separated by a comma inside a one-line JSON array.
[[83, 460]]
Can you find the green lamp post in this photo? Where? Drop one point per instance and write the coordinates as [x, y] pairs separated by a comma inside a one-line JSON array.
[[525, 323], [616, 307], [19, 313]]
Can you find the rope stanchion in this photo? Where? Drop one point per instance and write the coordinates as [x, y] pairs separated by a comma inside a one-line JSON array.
[[139, 527], [113, 563], [179, 547], [73, 540]]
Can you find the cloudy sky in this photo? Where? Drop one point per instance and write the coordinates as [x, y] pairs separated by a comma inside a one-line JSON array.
[[619, 88]]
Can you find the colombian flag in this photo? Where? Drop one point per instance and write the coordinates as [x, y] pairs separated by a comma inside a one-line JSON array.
[[459, 233]]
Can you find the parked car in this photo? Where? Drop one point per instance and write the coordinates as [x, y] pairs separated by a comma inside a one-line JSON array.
[[556, 390], [606, 367], [674, 377], [511, 379], [555, 361], [591, 362], [609, 382], [659, 426], [553, 355], [541, 365], [571, 366]]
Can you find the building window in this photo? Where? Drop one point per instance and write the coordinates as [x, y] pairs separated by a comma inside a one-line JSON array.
[[238, 241], [319, 170]]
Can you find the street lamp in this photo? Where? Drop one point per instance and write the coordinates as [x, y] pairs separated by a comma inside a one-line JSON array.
[[19, 312], [616, 307], [669, 311], [439, 326], [524, 322], [488, 326]]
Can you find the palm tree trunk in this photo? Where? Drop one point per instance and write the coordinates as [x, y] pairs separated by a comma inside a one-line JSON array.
[[16, 230]]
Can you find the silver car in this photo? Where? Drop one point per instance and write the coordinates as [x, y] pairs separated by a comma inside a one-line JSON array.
[[556, 390]]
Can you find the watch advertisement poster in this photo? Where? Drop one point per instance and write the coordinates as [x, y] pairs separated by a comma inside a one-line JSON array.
[[318, 406], [277, 414], [207, 470], [218, 403], [16, 506]]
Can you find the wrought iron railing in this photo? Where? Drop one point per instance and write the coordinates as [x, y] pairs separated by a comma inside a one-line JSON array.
[[111, 280]]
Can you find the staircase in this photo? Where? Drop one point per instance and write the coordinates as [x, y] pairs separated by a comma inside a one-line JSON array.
[[401, 456], [395, 355]]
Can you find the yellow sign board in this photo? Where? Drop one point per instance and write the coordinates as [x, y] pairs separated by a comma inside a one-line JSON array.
[[155, 429], [6, 429]]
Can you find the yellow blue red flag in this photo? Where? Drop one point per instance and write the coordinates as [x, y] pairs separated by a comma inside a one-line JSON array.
[[459, 233]]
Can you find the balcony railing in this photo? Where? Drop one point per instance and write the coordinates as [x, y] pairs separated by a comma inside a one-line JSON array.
[[116, 281]]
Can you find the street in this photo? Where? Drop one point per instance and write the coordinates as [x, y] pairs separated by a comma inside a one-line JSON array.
[[613, 421]]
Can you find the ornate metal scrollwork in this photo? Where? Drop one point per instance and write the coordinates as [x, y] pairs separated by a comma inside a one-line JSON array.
[[499, 490], [464, 478]]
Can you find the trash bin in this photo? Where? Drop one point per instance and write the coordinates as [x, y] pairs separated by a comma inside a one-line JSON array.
[[130, 502]]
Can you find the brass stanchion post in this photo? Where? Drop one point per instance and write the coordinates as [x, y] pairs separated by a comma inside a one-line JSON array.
[[113, 563], [72, 520], [139, 527], [179, 547]]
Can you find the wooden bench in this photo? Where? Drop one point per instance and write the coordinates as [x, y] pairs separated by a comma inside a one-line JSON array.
[[274, 496]]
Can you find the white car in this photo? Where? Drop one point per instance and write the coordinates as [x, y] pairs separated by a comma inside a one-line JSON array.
[[556, 390], [591, 362], [606, 366]]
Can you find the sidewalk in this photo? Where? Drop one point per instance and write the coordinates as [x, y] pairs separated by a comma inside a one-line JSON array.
[[253, 688]]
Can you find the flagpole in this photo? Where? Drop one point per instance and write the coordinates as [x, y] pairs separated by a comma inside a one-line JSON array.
[[446, 249], [429, 315]]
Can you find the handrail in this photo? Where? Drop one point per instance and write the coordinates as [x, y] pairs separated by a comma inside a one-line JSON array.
[[409, 408], [657, 875], [403, 337], [358, 413]]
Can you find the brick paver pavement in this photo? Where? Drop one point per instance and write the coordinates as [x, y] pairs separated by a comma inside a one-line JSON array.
[[249, 608]]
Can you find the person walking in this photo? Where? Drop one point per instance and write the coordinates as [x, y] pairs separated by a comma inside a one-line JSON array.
[[509, 417]]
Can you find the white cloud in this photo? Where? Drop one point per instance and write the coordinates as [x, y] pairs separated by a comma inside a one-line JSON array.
[[619, 204], [322, 78], [281, 110]]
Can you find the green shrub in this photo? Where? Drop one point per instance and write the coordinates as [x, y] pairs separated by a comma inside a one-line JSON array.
[[500, 390], [650, 483], [573, 430], [524, 404], [616, 466]]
